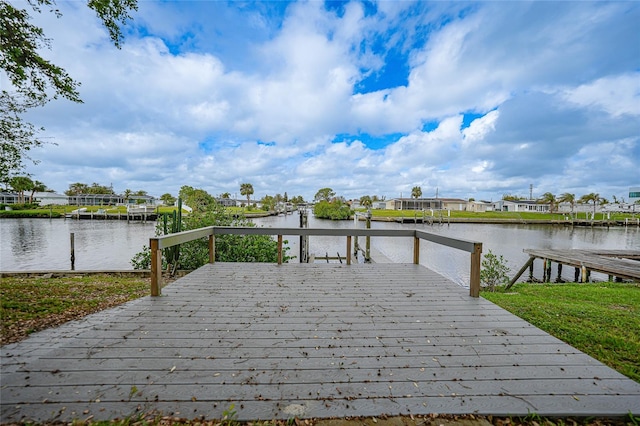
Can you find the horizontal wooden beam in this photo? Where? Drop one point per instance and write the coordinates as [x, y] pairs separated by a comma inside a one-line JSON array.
[[314, 231], [165, 241]]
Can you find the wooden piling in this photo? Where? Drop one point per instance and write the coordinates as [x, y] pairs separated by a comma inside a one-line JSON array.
[[73, 251]]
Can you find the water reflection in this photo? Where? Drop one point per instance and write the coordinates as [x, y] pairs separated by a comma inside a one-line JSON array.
[[44, 244]]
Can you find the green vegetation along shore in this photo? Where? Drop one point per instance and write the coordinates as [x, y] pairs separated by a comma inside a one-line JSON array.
[[452, 216]]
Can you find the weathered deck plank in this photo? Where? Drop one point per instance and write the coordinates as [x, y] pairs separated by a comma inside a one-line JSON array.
[[305, 340]]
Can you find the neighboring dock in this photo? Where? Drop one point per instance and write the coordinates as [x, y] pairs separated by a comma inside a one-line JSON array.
[[617, 264], [309, 341], [113, 216]]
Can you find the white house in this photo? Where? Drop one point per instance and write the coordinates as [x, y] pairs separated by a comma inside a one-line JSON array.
[[42, 198], [47, 198], [479, 206], [529, 206]]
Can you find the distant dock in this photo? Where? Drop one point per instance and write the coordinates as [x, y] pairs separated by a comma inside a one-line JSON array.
[[139, 215]]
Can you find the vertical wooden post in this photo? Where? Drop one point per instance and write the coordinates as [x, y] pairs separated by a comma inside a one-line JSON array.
[[584, 274], [279, 249], [212, 248], [548, 266], [73, 251], [156, 267], [531, 270], [416, 250], [559, 279], [474, 278], [348, 249], [367, 254]]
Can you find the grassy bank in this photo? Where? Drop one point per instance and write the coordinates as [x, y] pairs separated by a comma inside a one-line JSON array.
[[600, 319], [33, 304], [379, 213], [37, 213], [60, 211]]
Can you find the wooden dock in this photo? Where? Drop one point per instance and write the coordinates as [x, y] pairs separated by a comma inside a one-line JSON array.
[[617, 264], [138, 216], [305, 340]]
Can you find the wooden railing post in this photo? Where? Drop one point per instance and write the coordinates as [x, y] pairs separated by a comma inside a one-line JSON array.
[[170, 240], [212, 248], [156, 267], [474, 279]]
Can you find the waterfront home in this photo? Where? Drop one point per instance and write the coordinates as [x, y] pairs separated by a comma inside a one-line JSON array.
[[414, 204], [528, 206], [455, 204], [42, 198], [479, 206]]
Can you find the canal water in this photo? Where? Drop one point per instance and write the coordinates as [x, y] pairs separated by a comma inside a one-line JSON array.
[[44, 244], [505, 240]]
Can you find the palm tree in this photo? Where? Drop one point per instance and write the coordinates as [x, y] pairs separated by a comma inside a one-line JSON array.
[[588, 198], [568, 198], [20, 184], [127, 194], [365, 201], [246, 189], [36, 187], [550, 199], [416, 192]]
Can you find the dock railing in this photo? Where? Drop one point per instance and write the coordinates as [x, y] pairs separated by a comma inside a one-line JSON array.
[[158, 243]]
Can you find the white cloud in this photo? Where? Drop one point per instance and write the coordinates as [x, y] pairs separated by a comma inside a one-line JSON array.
[[188, 98], [616, 95]]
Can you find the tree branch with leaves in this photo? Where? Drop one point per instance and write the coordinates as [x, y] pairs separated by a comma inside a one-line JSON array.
[[34, 81]]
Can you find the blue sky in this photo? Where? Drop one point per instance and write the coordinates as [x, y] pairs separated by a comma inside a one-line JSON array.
[[473, 99]]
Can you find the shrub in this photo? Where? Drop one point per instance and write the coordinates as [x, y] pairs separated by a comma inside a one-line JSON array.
[[335, 210], [229, 248], [494, 271]]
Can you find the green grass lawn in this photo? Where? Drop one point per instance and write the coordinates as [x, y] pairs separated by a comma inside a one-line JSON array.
[[32, 304], [600, 319]]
